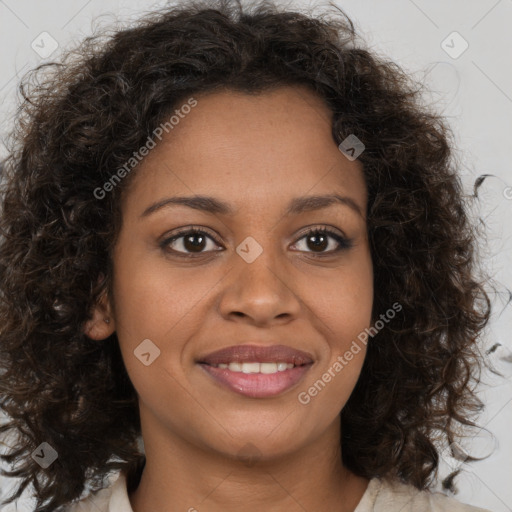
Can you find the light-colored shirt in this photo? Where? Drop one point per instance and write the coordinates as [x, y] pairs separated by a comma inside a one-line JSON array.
[[381, 495]]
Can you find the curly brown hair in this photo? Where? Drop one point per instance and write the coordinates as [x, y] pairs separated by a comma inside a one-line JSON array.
[[86, 118]]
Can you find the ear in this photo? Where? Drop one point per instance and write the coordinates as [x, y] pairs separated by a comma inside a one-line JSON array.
[[102, 324]]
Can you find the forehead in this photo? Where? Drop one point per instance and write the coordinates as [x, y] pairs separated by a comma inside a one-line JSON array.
[[277, 120], [250, 148]]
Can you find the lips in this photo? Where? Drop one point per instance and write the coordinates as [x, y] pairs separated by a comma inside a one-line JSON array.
[[257, 354], [260, 384]]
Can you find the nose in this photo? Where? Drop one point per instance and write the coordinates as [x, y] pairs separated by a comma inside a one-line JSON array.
[[260, 293]]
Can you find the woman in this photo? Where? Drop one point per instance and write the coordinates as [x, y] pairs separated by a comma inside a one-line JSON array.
[[234, 234]]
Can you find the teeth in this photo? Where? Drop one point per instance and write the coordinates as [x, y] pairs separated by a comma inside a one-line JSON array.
[[256, 367], [250, 367]]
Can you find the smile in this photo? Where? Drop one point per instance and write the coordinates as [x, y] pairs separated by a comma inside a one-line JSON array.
[[266, 368], [257, 380]]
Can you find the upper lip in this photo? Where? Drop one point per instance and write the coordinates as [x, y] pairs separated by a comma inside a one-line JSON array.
[[257, 354]]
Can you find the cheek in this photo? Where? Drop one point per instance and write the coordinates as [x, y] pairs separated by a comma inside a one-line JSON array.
[[344, 301], [154, 302], [139, 299], [145, 306], [151, 299], [146, 310], [343, 306]]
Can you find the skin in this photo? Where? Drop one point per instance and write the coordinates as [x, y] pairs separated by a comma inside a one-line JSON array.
[[255, 153]]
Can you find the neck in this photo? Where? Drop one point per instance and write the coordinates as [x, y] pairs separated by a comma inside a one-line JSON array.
[[180, 476]]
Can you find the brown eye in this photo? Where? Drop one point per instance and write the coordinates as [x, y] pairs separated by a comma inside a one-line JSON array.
[[191, 241], [319, 239]]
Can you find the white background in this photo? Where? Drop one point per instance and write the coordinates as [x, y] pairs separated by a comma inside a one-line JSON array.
[[473, 88]]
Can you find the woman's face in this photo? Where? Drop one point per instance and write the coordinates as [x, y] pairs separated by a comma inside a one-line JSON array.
[[254, 277]]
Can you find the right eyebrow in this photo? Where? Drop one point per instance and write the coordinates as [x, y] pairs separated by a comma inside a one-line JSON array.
[[204, 203]]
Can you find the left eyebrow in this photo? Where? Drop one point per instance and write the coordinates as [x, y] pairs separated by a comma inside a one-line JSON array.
[[311, 203], [215, 206]]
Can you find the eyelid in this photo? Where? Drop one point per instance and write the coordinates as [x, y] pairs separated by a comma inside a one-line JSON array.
[[321, 227]]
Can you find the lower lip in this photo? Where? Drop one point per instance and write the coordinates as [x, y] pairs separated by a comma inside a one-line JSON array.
[[258, 385]]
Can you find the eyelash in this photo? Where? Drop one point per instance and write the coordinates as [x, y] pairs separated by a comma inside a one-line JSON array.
[[344, 243]]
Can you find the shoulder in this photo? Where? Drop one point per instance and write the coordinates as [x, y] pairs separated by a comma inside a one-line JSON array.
[[96, 501], [387, 495], [111, 498], [381, 495]]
